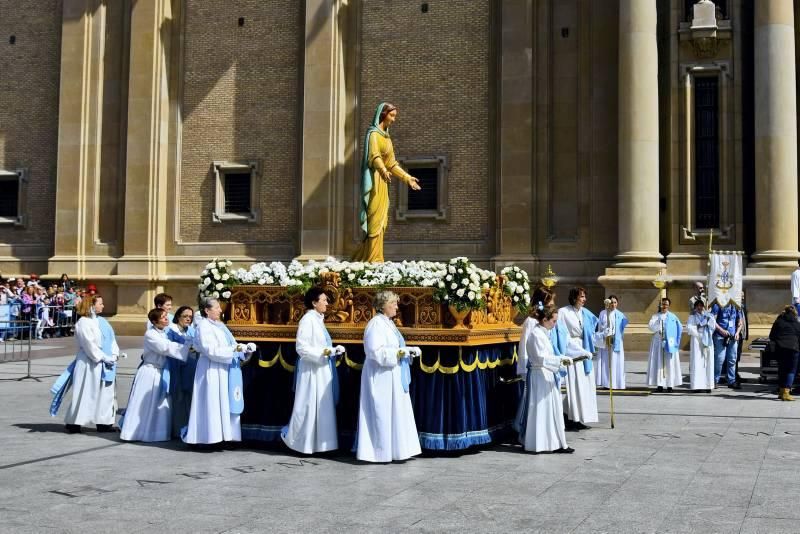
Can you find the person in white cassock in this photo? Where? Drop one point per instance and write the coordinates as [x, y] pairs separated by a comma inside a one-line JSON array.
[[386, 427], [541, 297], [664, 363], [148, 416], [543, 423], [93, 395], [611, 331], [312, 427], [700, 327], [795, 287], [211, 419], [580, 325]]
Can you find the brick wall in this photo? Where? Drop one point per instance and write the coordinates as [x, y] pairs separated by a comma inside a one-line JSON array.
[[435, 67], [29, 85], [241, 100]]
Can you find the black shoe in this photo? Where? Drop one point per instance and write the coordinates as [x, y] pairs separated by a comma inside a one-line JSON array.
[[659, 389], [707, 390], [72, 429], [565, 450], [735, 385], [581, 426], [107, 428]]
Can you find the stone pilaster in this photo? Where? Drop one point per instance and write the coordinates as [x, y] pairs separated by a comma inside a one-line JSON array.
[[324, 115], [142, 269], [638, 135], [515, 185], [775, 135]]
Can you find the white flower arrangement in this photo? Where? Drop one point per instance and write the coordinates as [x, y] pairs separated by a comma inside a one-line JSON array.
[[458, 282], [216, 280], [518, 287]]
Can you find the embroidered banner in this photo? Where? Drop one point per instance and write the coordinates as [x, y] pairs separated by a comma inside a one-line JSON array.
[[725, 279]]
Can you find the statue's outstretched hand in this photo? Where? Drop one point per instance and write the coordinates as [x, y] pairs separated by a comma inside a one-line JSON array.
[[413, 183]]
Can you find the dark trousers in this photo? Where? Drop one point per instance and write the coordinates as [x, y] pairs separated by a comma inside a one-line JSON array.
[[787, 367]]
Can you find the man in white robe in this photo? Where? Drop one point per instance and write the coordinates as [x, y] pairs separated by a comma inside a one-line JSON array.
[[580, 404], [312, 427], [700, 327]]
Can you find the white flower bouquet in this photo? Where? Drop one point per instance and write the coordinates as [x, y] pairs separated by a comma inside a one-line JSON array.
[[216, 280], [463, 284], [518, 287]]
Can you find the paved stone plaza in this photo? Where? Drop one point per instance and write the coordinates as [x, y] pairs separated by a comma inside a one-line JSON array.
[[681, 462]]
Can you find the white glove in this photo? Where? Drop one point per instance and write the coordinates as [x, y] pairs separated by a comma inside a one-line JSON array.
[[110, 359], [238, 347], [414, 352], [251, 347], [609, 332], [338, 350]]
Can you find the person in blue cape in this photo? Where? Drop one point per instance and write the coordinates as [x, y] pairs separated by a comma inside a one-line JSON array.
[[579, 325], [387, 430], [312, 427], [216, 398], [611, 331], [93, 371], [148, 415], [664, 363], [182, 331]]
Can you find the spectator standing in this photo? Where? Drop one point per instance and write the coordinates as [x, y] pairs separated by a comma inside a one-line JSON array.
[[726, 338]]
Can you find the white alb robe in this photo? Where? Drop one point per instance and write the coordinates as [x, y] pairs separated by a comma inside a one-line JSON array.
[[148, 414], [544, 429], [522, 367], [386, 427], [795, 286], [617, 357], [210, 418], [701, 359], [580, 402], [93, 400], [312, 427], [663, 369]]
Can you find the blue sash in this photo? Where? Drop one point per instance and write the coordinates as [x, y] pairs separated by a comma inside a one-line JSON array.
[[704, 330], [332, 365], [235, 382], [405, 363], [60, 388], [620, 322], [589, 326], [107, 340], [672, 331]]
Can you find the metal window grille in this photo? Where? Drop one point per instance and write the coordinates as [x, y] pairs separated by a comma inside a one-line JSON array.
[[706, 161], [426, 198], [9, 198], [237, 192]]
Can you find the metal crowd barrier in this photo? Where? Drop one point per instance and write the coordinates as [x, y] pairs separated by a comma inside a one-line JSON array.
[[52, 321], [16, 345]]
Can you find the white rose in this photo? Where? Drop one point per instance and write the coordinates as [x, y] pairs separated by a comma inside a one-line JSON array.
[[453, 285], [215, 272], [441, 284], [228, 263], [520, 289], [225, 276], [215, 294], [471, 295], [219, 286], [351, 276], [449, 277], [226, 294], [201, 286], [516, 298], [460, 292], [461, 271], [446, 297], [485, 285]]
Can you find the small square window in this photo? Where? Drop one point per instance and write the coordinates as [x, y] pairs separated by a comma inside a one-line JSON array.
[[12, 191], [236, 191], [430, 202]]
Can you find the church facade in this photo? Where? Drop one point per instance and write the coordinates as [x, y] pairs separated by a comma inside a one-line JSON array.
[[609, 140]]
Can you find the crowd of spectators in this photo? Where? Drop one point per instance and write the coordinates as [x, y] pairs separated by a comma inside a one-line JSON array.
[[32, 307]]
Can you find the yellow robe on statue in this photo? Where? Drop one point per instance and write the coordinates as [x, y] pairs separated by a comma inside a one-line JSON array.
[[381, 155]]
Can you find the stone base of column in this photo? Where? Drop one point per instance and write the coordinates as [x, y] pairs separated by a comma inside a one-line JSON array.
[[646, 259], [779, 259]]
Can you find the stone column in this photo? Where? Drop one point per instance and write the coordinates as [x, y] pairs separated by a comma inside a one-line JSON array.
[[515, 185], [142, 269], [324, 114], [638, 135], [775, 135]]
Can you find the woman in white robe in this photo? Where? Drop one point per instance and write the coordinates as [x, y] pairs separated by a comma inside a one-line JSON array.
[[210, 418], [148, 414], [543, 430], [312, 427], [180, 395], [93, 398], [614, 330], [664, 363], [580, 402], [700, 328], [386, 427]]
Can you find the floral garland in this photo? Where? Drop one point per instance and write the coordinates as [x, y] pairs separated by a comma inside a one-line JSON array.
[[459, 282], [518, 287]]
